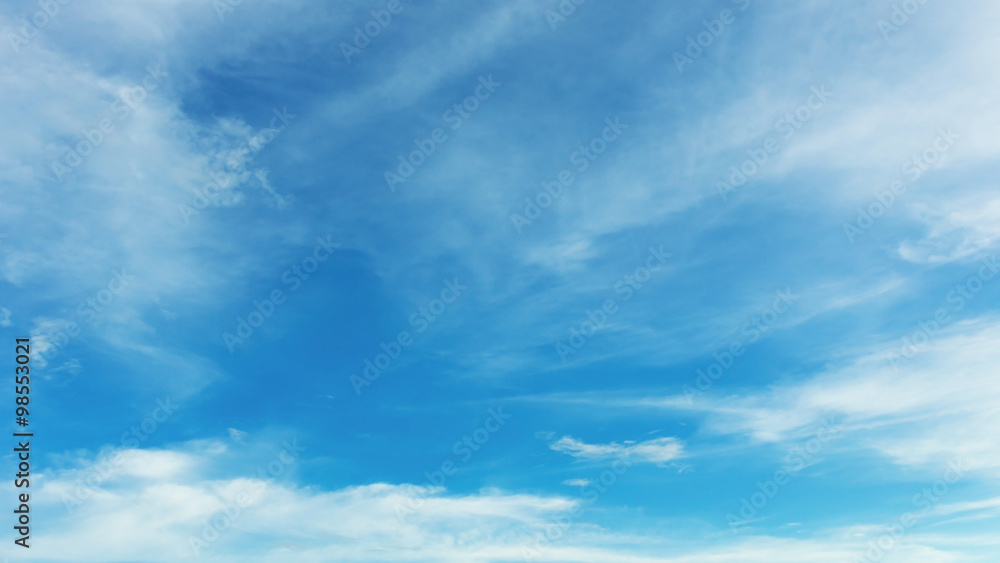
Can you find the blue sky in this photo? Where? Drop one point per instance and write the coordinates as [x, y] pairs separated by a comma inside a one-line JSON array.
[[525, 280]]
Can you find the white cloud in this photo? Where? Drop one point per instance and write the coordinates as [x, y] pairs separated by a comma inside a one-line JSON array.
[[156, 501], [120, 208], [940, 405], [659, 450], [985, 508], [957, 229]]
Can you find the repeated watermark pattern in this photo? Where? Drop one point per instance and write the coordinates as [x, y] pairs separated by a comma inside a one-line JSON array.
[[293, 277], [788, 126], [95, 136], [598, 318], [108, 466], [750, 333], [33, 25], [463, 450], [220, 180], [563, 12], [560, 525], [914, 167], [714, 28], [89, 311], [454, 117], [365, 33], [230, 511], [900, 16], [924, 501], [582, 158], [797, 459], [420, 320], [957, 299]]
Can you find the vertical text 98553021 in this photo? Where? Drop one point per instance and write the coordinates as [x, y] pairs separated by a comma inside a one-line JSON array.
[[22, 479]]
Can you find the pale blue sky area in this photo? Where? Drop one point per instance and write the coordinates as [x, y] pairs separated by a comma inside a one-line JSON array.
[[485, 282]]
